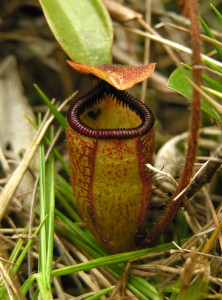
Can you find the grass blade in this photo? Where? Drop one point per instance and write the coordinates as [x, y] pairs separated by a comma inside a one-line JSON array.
[[50, 209], [210, 34], [59, 117]]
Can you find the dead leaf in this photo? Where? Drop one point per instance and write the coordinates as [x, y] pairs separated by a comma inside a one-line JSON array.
[[16, 132]]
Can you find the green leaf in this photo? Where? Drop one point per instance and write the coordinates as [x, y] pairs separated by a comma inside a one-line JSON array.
[[179, 81], [82, 28]]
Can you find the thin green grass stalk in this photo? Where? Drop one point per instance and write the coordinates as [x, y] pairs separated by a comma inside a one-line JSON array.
[[101, 293], [64, 194], [57, 155], [27, 284], [69, 209], [213, 92], [115, 266], [212, 83], [82, 233], [36, 294], [65, 188], [78, 235], [21, 257], [50, 209], [136, 291], [59, 117], [213, 66], [218, 14], [115, 270], [139, 294], [88, 249], [42, 199], [111, 260], [44, 291], [210, 34], [26, 248], [146, 288], [16, 250], [47, 207], [76, 240]]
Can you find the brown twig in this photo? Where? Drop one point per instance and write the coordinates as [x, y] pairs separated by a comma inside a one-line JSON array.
[[204, 175]]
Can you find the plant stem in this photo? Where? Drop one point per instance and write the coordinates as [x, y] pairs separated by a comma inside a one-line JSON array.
[[195, 120]]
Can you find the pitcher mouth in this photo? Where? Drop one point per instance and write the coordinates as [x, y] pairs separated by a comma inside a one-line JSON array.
[[98, 94]]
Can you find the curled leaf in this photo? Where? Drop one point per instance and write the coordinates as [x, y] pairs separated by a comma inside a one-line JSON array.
[[119, 76]]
